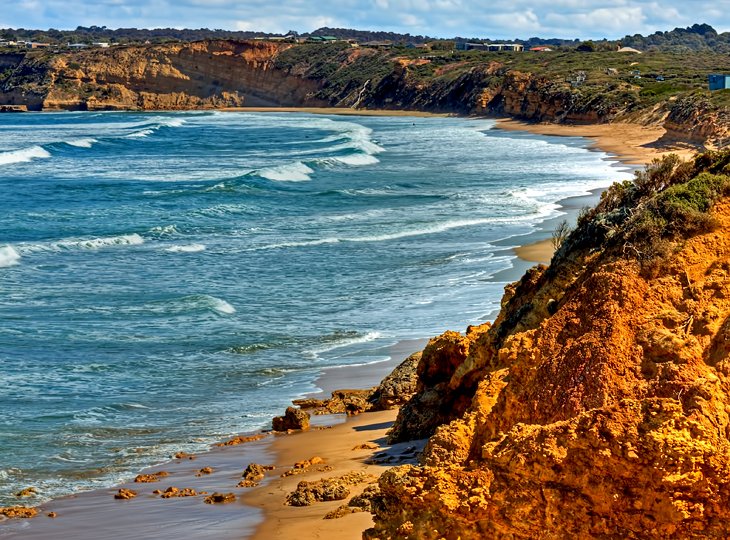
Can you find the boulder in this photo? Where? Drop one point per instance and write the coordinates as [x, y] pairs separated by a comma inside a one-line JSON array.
[[293, 419]]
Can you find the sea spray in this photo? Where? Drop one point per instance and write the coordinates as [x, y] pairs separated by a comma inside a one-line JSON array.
[[8, 256]]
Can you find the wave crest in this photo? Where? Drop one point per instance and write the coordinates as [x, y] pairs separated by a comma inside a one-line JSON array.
[[86, 243], [291, 172], [191, 248], [23, 155], [8, 256]]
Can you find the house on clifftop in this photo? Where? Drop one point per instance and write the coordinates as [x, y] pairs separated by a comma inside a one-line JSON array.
[[718, 81]]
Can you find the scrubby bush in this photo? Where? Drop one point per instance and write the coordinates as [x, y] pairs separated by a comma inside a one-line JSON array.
[[668, 201]]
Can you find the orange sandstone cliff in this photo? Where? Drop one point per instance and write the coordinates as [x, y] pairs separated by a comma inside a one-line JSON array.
[[598, 403], [179, 76]]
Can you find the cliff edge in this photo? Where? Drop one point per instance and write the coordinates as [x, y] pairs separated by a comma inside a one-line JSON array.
[[598, 403]]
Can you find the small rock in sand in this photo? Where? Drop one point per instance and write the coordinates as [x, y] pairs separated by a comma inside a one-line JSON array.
[[364, 501], [52, 514], [27, 492], [125, 494], [341, 511], [154, 477], [183, 455], [242, 440], [204, 470], [12, 512], [254, 472], [366, 446], [302, 466], [172, 491], [220, 498]]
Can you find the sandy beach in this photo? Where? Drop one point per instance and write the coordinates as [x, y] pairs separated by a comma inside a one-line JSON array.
[[260, 512], [630, 143], [337, 111]]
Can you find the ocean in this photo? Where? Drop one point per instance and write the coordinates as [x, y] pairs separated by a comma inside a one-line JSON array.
[[169, 280]]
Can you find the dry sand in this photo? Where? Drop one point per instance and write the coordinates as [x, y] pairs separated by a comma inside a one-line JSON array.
[[337, 446], [538, 252]]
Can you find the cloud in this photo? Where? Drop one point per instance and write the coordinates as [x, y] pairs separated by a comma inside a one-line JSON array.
[[581, 19]]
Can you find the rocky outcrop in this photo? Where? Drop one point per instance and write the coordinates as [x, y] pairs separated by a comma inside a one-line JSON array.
[[393, 391], [695, 119], [326, 489], [21, 512], [293, 419], [596, 404], [398, 387]]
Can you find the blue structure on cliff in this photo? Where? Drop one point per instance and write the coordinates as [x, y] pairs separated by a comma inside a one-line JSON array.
[[719, 82]]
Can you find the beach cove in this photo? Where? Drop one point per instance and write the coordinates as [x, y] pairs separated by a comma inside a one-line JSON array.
[[328, 443]]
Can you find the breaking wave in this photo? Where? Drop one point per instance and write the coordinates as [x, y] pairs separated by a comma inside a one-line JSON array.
[[87, 243], [82, 143], [292, 172], [24, 155], [191, 248], [8, 256]]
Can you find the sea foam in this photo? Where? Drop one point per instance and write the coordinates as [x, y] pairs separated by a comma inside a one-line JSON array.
[[24, 155], [82, 143], [291, 172], [8, 256], [191, 248], [84, 243]]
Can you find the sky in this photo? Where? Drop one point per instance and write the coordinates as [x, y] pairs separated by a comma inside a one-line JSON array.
[[582, 19]]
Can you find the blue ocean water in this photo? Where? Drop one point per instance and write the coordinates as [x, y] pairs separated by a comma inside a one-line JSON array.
[[167, 280]]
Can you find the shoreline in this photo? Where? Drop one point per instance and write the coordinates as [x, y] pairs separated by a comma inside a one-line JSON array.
[[87, 510], [338, 111], [631, 144]]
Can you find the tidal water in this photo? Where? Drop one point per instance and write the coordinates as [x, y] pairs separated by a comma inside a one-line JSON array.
[[167, 280]]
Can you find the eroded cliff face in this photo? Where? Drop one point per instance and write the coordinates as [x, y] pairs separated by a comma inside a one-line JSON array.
[[206, 74], [598, 406]]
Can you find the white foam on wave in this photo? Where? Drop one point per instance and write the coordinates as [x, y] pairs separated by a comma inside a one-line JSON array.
[[164, 230], [344, 342], [8, 256], [23, 155], [152, 125], [191, 248], [291, 172], [304, 243], [84, 243], [212, 303], [432, 229], [82, 143], [354, 160], [140, 134]]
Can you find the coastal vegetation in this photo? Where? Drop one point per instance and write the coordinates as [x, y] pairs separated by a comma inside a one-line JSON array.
[[670, 200]]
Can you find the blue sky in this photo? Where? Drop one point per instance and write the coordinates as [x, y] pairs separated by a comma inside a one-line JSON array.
[[442, 18]]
